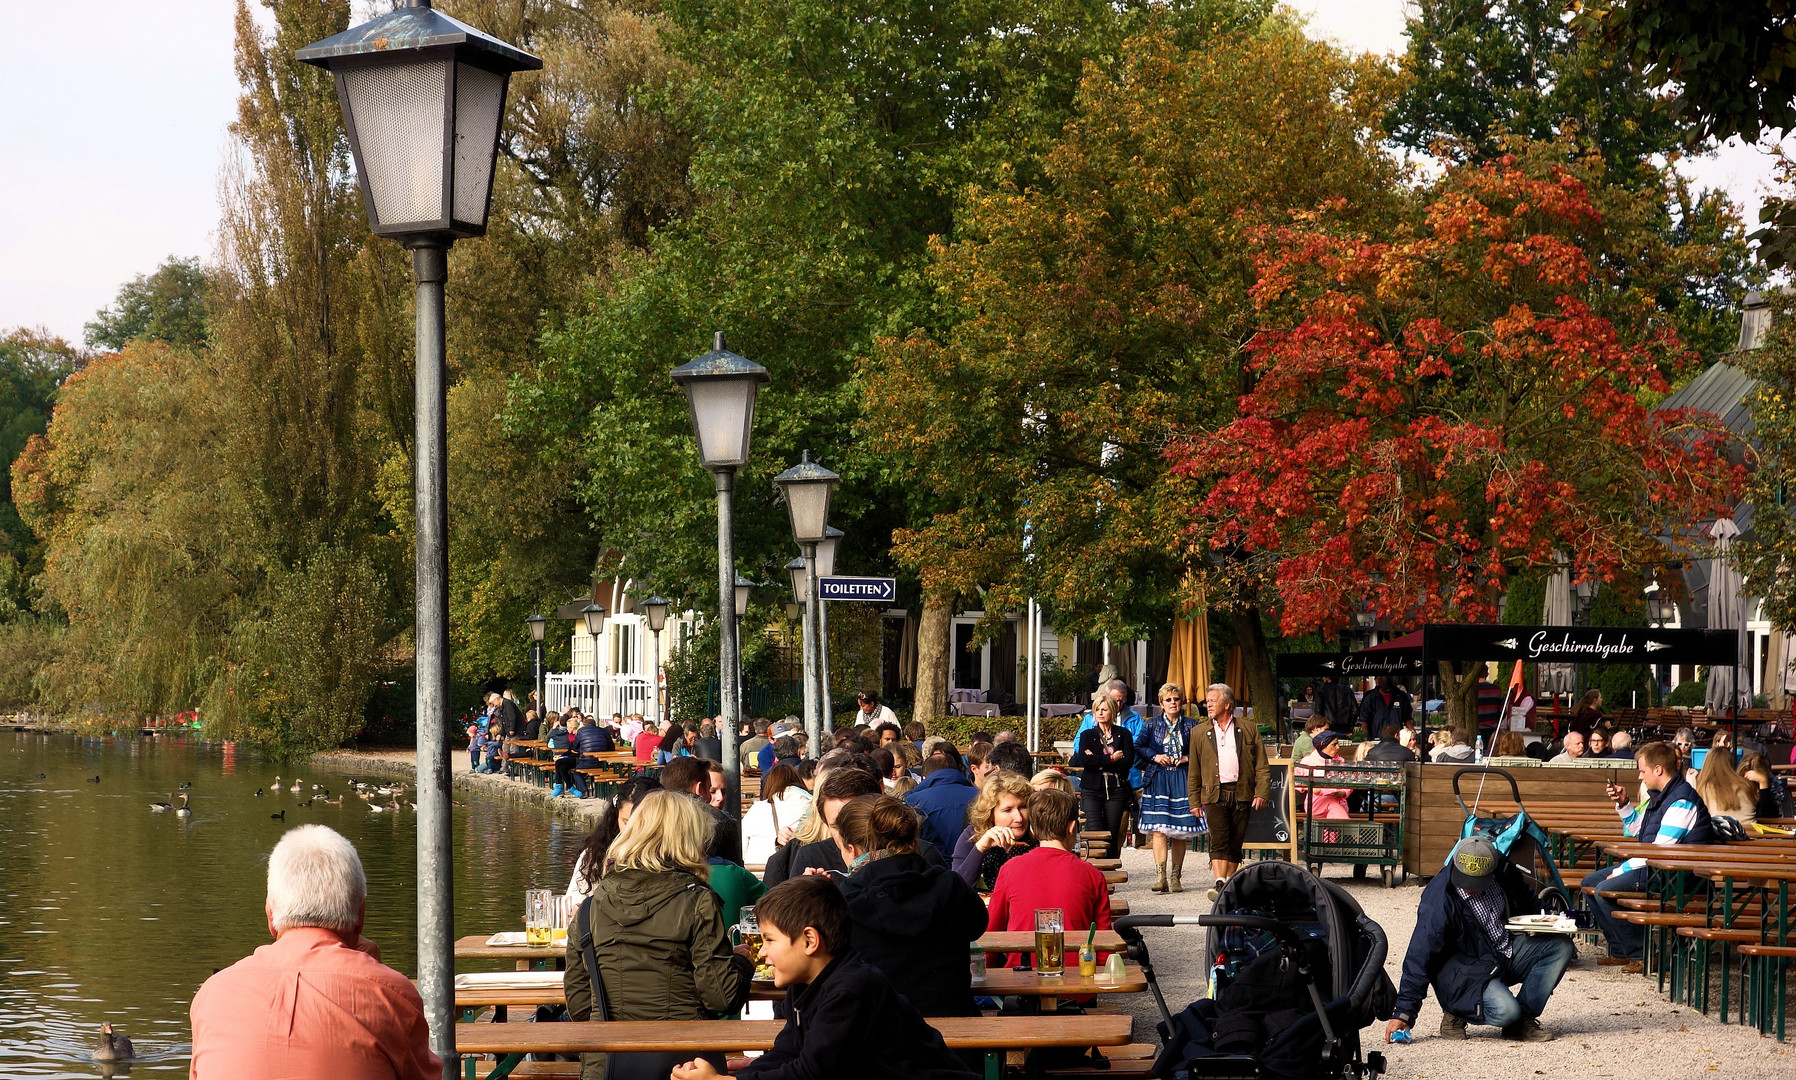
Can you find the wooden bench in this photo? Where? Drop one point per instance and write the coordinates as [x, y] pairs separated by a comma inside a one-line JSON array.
[[991, 1036]]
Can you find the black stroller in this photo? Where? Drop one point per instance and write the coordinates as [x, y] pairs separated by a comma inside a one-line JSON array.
[[1296, 970]]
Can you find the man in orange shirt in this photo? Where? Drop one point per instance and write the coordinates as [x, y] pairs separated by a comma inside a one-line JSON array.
[[317, 1002]]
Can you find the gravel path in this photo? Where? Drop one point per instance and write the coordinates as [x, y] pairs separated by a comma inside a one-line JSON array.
[[1609, 1024]]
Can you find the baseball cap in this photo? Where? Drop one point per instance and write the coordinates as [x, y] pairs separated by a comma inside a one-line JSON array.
[[1473, 864]]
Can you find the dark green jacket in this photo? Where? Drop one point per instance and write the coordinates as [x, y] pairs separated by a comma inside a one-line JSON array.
[[663, 951]]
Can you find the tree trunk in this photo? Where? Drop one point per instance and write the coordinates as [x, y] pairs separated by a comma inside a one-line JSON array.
[[1461, 693], [1262, 689], [933, 643]]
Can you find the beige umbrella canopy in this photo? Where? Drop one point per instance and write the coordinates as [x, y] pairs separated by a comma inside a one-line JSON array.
[[1558, 678], [1189, 663]]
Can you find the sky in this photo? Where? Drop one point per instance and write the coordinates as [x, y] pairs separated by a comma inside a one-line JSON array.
[[114, 151]]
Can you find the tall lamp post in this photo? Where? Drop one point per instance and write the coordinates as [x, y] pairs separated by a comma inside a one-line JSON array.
[[423, 96], [807, 487], [720, 390], [594, 617], [826, 567], [743, 587], [801, 591], [654, 612], [538, 626]]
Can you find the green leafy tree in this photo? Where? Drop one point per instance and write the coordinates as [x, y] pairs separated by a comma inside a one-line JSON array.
[[33, 365], [168, 305], [1480, 71]]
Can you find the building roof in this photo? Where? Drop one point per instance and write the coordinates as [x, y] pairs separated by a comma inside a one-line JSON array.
[[1721, 390]]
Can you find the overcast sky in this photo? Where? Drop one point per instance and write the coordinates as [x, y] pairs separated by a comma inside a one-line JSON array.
[[113, 116]]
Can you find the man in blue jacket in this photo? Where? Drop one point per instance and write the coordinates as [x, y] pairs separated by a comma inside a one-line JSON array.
[[942, 799], [1674, 814], [1462, 949]]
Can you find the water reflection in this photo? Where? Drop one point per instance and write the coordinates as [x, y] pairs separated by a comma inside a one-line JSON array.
[[109, 911]]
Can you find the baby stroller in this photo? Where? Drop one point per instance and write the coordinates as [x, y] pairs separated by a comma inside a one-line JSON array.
[[1296, 970], [1518, 838]]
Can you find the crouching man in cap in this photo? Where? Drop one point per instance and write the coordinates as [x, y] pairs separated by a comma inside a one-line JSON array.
[[1460, 946]]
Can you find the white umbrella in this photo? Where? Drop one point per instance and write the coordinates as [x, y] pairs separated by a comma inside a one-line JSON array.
[[1558, 678], [1727, 611]]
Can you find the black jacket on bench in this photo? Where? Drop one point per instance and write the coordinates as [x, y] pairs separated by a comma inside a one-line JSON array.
[[851, 1023]]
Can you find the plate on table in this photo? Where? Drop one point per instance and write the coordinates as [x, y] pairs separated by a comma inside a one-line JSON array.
[[514, 939], [1541, 924], [507, 980]]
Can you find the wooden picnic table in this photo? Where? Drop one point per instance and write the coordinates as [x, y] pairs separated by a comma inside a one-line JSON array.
[[991, 1036], [474, 946]]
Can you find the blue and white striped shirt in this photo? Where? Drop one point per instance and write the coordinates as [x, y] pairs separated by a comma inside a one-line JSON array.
[[1679, 818]]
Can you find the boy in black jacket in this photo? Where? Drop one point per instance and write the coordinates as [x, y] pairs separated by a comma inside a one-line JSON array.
[[837, 1007]]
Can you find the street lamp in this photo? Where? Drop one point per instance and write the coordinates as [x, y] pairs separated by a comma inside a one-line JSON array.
[[743, 586], [801, 592], [538, 626], [826, 567], [423, 98], [594, 617], [807, 487], [720, 390], [654, 612]]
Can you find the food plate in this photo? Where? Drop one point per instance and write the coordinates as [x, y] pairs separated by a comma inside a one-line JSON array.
[[1541, 924], [514, 939], [507, 980]]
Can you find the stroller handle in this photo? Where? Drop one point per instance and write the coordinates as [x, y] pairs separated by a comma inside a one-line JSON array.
[[1131, 922], [1481, 771]]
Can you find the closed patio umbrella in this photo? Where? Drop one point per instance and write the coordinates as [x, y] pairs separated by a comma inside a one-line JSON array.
[[1558, 678], [1188, 663], [1727, 611]]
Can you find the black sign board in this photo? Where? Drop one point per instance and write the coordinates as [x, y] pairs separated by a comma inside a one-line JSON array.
[[1581, 644], [1349, 665], [1270, 825], [878, 590]]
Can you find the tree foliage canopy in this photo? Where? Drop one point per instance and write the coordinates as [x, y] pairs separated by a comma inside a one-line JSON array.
[[167, 305]]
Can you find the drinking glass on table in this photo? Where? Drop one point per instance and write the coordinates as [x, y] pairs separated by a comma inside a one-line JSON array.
[[539, 917], [748, 932], [1050, 941]]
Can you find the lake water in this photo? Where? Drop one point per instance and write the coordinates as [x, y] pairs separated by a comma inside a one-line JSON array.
[[109, 911]]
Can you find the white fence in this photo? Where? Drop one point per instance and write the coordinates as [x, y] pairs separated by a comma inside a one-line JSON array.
[[625, 694]]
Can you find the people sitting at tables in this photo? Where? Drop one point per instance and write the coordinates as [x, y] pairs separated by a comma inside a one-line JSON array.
[[845, 783], [810, 827], [844, 1018], [1673, 814], [1322, 802], [1389, 747], [915, 733], [1596, 744], [1052, 778], [1105, 752], [886, 734], [706, 743], [338, 1010], [589, 865], [1011, 757], [593, 739], [913, 921], [1461, 945], [1304, 743], [997, 828], [1050, 876], [1621, 745], [493, 750], [1509, 744], [1755, 767], [692, 776], [561, 751], [1684, 742], [749, 753], [1455, 748], [942, 797], [652, 937], [770, 821], [648, 742], [629, 729], [1725, 793], [1571, 750]]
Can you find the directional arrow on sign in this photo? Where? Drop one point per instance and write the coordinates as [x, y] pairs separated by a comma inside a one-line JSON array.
[[882, 590]]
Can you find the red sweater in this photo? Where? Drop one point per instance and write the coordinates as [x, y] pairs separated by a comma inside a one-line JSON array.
[[1048, 877]]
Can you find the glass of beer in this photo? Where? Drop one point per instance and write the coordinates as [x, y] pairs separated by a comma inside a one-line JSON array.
[[539, 917], [1050, 942], [748, 932]]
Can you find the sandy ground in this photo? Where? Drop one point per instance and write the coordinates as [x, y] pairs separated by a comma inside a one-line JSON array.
[[1609, 1024]]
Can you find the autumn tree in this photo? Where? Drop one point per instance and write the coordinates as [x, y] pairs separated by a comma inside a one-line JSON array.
[[1437, 412], [33, 365], [1088, 314]]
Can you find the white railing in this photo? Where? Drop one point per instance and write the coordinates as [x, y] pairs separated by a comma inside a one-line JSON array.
[[625, 694]]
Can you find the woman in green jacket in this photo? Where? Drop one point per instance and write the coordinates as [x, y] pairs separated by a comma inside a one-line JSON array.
[[657, 931]]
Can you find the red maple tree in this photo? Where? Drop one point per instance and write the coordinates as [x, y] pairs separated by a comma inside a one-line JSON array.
[[1436, 413]]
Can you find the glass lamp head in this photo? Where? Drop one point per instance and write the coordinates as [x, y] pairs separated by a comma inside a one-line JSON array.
[[720, 390], [807, 487], [594, 616]]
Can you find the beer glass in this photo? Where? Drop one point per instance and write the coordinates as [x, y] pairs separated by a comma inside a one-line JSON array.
[[539, 917], [1050, 942]]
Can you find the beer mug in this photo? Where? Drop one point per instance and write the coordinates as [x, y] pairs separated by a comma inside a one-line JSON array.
[[748, 932], [539, 917], [1050, 942]]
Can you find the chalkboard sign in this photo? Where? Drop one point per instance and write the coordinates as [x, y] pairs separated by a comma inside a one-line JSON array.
[[1270, 827]]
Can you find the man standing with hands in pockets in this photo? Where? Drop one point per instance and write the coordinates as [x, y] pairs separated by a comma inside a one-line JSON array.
[[1230, 777]]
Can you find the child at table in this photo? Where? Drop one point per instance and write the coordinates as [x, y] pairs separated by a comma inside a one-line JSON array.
[[847, 1007], [1050, 876]]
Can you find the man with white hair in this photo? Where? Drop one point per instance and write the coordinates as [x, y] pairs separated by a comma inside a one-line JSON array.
[[318, 1001], [1230, 777]]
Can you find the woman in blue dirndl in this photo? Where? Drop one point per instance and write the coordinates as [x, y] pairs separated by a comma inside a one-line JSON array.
[[1166, 811]]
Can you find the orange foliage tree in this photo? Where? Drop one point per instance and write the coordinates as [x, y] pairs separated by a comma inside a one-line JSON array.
[[1434, 413]]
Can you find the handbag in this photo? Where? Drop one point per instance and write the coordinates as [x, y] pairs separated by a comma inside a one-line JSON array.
[[644, 1065]]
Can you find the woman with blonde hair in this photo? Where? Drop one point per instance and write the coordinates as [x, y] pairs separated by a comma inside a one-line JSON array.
[[1166, 813], [651, 943], [1725, 792], [1509, 744], [997, 828], [1052, 778]]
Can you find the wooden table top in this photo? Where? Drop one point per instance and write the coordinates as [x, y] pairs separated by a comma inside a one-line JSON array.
[[959, 1032], [474, 946]]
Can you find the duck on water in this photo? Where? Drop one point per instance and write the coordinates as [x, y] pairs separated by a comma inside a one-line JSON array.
[[113, 1046]]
